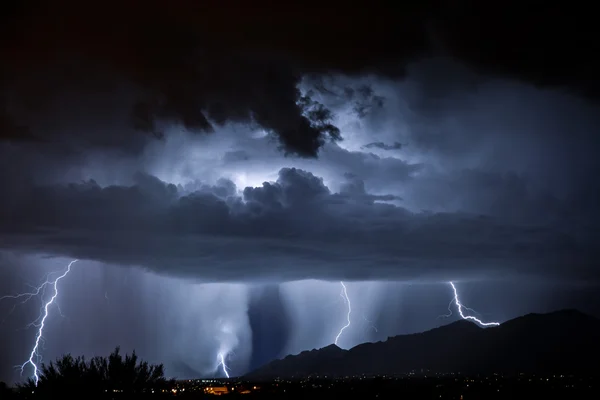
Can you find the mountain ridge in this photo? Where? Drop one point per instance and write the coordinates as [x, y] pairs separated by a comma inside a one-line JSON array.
[[563, 341]]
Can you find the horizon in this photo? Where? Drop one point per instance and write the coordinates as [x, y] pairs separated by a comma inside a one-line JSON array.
[[236, 378]]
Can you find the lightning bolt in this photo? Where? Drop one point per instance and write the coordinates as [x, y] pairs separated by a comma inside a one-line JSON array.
[[28, 295], [450, 313], [34, 356], [370, 324], [449, 310], [344, 295], [460, 308], [221, 358]]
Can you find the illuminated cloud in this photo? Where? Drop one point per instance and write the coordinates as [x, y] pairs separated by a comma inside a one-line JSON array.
[[469, 194], [285, 230]]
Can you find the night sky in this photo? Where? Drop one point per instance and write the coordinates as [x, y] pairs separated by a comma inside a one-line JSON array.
[[218, 169]]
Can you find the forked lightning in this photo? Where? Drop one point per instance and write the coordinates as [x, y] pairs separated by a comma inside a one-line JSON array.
[[460, 308], [344, 295], [40, 322], [222, 364]]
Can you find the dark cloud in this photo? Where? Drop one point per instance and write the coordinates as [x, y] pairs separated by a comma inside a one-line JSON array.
[[383, 146], [289, 229], [480, 161], [505, 195], [124, 67], [362, 97], [11, 130]]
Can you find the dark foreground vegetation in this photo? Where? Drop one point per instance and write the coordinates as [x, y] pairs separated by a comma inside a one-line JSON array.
[[95, 378]]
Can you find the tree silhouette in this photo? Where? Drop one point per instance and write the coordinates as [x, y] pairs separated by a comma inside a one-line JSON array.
[[5, 392], [96, 376]]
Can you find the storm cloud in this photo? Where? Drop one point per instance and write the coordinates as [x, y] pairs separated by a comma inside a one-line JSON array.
[[115, 76], [289, 229], [219, 167], [474, 191]]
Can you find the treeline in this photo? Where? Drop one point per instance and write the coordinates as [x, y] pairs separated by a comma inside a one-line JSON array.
[[96, 377]]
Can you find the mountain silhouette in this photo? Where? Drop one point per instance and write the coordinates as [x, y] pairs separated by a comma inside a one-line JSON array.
[[562, 342]]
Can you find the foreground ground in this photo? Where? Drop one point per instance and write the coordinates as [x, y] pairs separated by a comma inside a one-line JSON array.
[[451, 386], [413, 386]]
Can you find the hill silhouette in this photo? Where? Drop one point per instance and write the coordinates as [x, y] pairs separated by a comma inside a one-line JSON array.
[[559, 342]]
